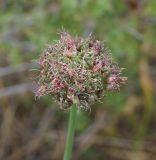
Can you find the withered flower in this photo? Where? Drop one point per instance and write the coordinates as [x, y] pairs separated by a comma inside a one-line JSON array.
[[77, 67]]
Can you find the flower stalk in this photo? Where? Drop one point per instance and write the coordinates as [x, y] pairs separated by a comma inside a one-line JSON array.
[[71, 132]]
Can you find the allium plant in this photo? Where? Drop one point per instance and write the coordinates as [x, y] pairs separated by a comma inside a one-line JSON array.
[[77, 72]]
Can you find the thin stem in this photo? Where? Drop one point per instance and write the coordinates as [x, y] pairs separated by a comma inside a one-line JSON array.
[[70, 135]]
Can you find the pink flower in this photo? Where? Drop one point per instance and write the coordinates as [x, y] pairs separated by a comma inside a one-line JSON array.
[[42, 61], [53, 65], [69, 41], [41, 91], [97, 46], [114, 82], [57, 85]]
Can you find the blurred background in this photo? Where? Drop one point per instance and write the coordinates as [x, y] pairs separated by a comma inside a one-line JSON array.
[[123, 127]]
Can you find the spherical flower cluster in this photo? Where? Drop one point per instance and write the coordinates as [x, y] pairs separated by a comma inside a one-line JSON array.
[[78, 69]]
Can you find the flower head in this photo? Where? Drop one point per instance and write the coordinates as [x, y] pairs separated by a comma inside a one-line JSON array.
[[77, 68]]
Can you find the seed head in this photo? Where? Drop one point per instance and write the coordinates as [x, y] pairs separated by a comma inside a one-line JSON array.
[[77, 68]]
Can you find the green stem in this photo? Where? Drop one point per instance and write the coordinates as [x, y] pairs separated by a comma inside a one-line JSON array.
[[70, 135]]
